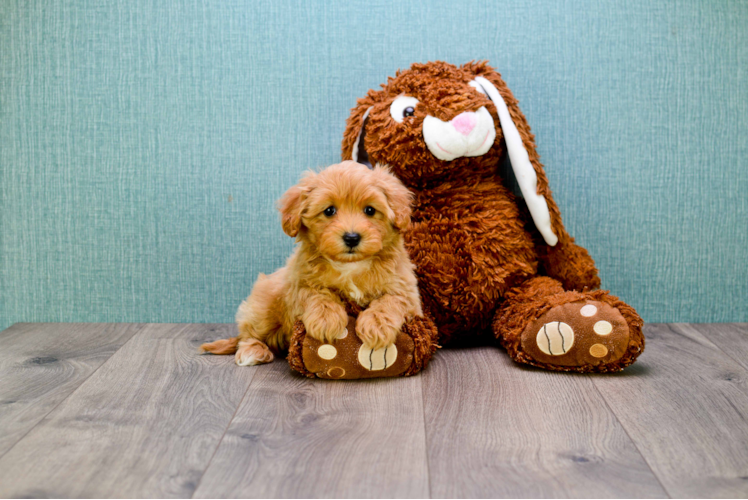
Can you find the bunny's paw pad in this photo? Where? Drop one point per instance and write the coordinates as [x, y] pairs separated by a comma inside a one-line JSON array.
[[348, 358], [588, 333]]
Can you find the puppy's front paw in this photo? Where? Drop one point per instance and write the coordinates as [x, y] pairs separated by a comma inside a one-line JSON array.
[[326, 324], [376, 330]]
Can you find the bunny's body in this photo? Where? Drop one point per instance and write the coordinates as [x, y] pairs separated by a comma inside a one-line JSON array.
[[483, 250], [488, 261]]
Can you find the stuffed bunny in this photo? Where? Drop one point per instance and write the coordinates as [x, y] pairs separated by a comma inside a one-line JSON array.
[[489, 261]]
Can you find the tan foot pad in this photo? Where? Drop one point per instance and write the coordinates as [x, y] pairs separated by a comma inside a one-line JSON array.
[[347, 358], [576, 334]]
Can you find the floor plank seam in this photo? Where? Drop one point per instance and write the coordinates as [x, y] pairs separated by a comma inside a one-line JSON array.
[[425, 435], [716, 346], [625, 430], [228, 426], [137, 330]]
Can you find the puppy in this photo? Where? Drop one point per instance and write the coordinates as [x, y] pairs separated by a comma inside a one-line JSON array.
[[347, 220]]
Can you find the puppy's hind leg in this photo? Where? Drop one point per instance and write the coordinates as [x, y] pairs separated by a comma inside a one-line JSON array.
[[258, 321], [253, 352]]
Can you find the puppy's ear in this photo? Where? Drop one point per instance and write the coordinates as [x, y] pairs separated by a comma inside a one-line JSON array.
[[399, 198], [291, 205]]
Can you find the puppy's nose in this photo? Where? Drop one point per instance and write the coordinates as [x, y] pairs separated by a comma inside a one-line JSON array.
[[351, 239]]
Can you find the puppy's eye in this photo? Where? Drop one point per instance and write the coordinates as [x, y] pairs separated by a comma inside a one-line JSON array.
[[370, 211], [402, 107], [330, 211]]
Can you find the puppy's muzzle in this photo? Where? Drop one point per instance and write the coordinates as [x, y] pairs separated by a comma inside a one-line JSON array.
[[351, 240]]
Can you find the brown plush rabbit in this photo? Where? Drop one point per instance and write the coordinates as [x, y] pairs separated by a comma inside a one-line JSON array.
[[486, 260]]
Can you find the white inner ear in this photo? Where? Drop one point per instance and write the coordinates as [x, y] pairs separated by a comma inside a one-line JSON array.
[[354, 153], [521, 165]]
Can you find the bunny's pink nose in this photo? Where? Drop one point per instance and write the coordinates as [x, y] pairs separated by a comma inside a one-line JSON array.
[[464, 123]]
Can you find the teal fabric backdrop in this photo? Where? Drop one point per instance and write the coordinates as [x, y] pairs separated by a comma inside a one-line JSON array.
[[143, 143]]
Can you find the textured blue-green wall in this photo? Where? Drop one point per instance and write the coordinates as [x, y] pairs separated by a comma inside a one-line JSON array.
[[143, 143]]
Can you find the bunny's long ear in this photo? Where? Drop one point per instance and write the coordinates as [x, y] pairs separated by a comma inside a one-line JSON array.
[[530, 175], [355, 133], [359, 154], [524, 158]]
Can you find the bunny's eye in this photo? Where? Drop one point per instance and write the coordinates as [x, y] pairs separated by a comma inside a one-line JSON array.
[[403, 107]]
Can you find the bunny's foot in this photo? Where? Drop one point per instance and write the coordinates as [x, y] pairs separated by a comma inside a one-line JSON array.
[[545, 326], [347, 358]]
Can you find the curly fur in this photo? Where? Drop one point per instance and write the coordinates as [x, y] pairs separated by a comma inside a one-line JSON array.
[[471, 239], [323, 272]]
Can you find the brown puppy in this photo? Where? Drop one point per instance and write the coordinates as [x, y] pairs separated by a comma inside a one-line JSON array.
[[348, 221]]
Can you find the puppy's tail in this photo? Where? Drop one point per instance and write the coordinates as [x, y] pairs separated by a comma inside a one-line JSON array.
[[223, 346]]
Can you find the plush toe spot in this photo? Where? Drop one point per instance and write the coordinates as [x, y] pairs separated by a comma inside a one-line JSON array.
[[378, 359], [602, 328], [555, 338], [326, 351], [344, 334], [598, 350], [336, 372], [588, 310]]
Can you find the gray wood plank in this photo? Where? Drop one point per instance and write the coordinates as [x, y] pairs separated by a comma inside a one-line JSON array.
[[498, 429], [43, 363], [144, 425], [732, 338], [685, 405], [296, 437]]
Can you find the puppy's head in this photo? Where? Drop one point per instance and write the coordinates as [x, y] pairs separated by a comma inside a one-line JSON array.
[[347, 211]]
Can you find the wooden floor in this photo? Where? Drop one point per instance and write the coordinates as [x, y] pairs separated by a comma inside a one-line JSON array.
[[130, 410]]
